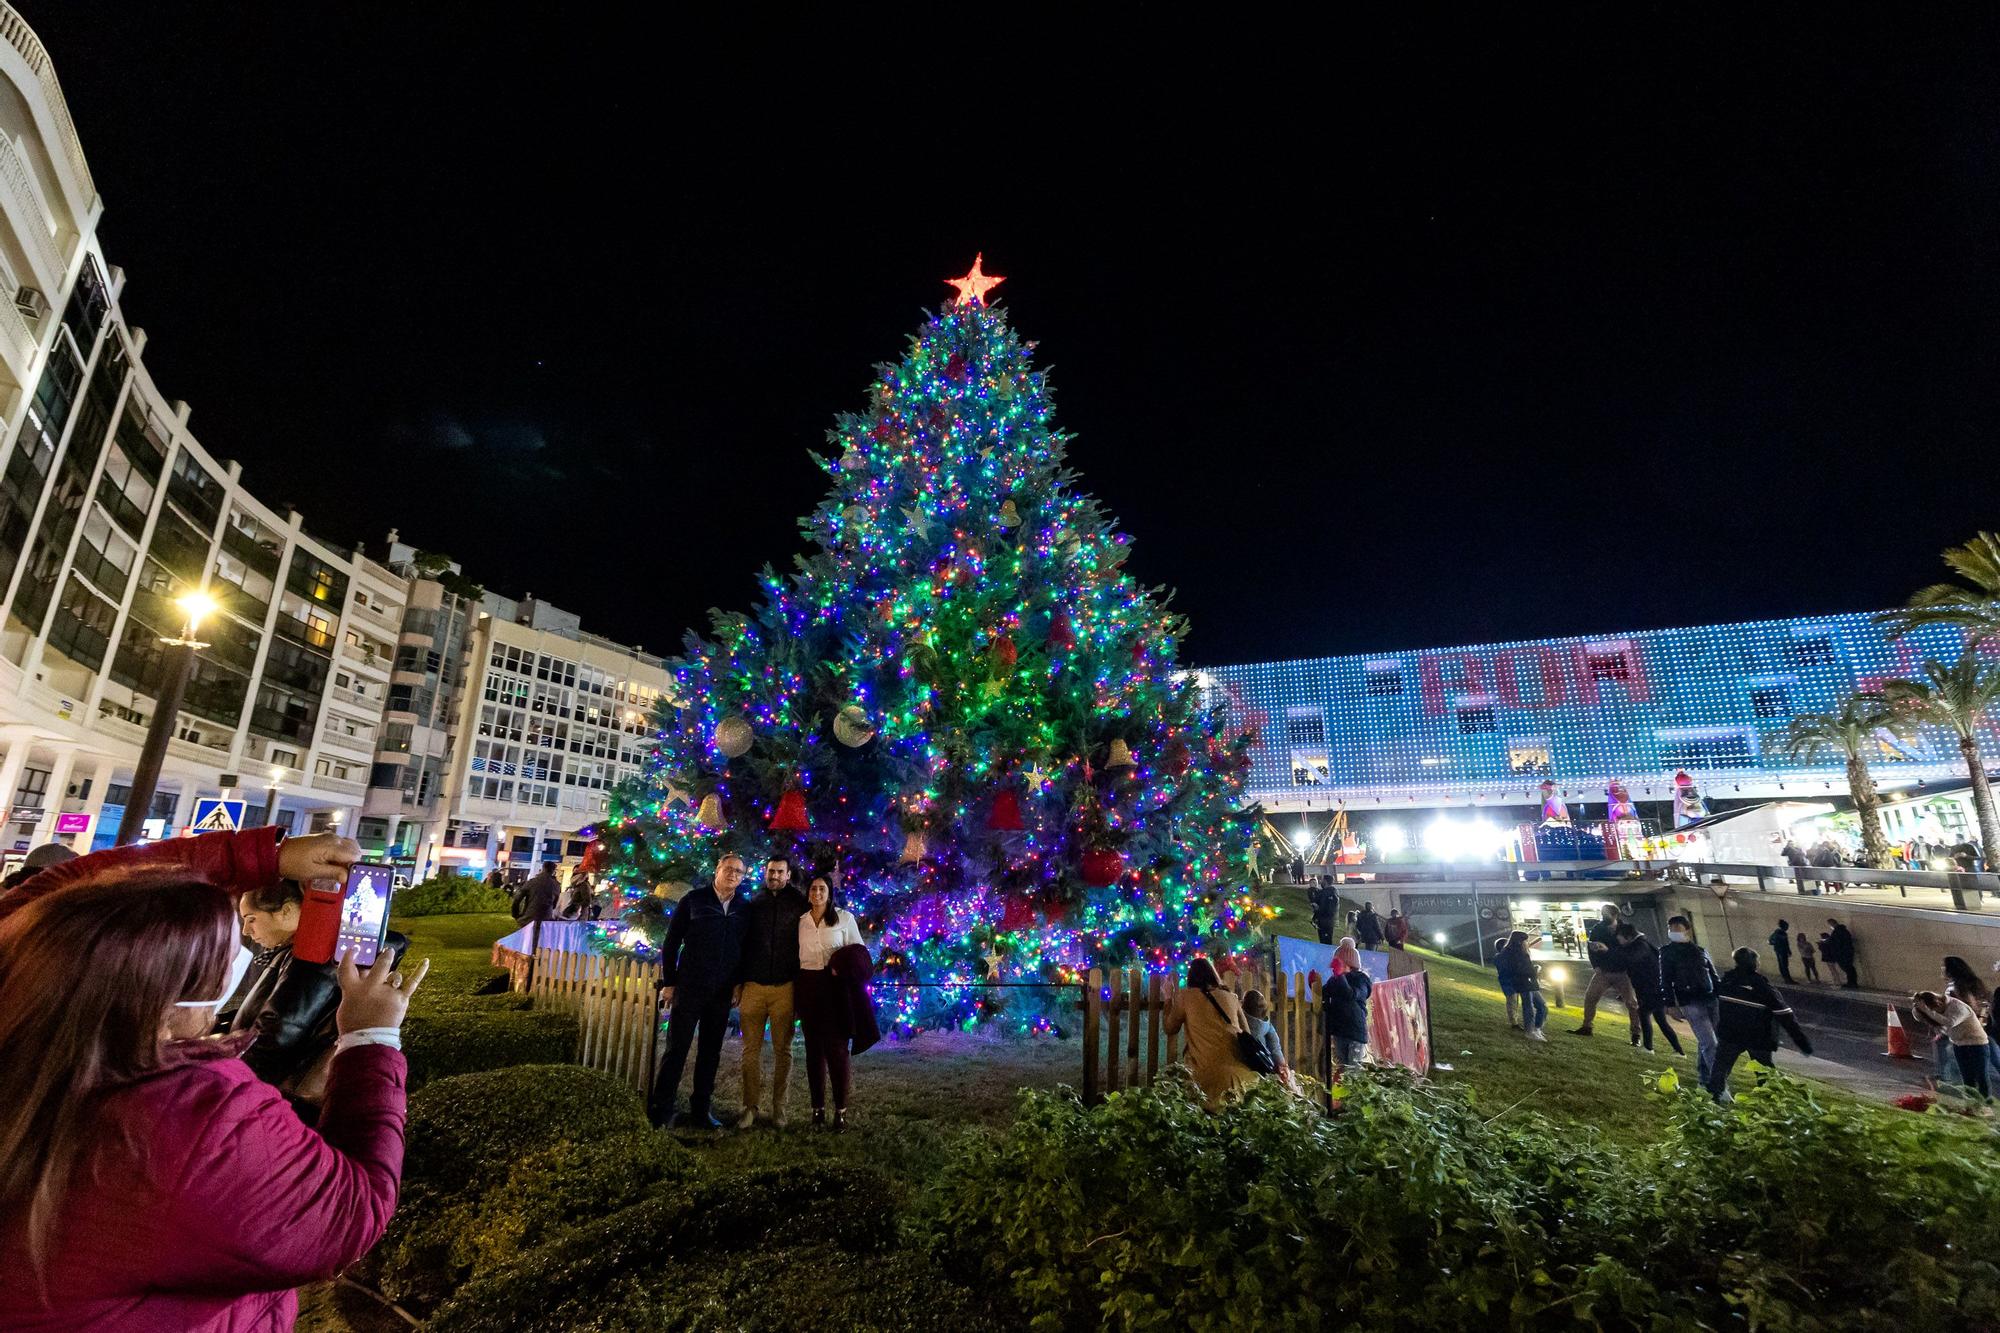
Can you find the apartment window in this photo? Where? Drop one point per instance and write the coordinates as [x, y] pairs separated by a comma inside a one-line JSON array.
[[385, 775], [1476, 718], [1384, 679], [1810, 650], [1306, 730], [1608, 664]]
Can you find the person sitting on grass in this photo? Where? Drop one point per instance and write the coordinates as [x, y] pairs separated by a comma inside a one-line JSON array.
[[1749, 1010], [1211, 1017]]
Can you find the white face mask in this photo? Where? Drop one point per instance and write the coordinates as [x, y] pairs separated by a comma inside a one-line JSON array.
[[1678, 936], [237, 967]]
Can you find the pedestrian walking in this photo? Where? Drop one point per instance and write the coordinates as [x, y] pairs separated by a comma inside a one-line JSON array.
[[1642, 964], [1608, 975], [1839, 951], [1780, 941], [827, 929], [1368, 927], [1325, 909], [1961, 1029], [1748, 1016], [578, 898], [1688, 987], [700, 961], [765, 998], [536, 899], [1396, 930], [1521, 978], [1808, 958]]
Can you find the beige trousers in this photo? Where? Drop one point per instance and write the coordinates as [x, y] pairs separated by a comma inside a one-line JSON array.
[[759, 1007]]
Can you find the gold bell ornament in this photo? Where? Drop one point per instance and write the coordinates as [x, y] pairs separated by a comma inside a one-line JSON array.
[[710, 815], [1119, 758], [914, 848]]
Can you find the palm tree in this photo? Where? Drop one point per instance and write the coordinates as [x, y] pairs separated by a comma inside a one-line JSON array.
[[1849, 732], [1957, 697], [1974, 609]]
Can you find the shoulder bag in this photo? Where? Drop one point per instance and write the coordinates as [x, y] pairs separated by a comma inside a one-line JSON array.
[[1249, 1050]]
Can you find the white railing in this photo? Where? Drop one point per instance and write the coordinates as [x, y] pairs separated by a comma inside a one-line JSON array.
[[34, 209], [22, 38]]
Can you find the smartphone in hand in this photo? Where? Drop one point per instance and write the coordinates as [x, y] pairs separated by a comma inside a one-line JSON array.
[[364, 910]]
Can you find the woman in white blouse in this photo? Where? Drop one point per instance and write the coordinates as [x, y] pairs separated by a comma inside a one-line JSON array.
[[821, 1000]]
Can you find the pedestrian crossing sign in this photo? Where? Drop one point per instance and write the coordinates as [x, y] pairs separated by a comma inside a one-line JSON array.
[[215, 815]]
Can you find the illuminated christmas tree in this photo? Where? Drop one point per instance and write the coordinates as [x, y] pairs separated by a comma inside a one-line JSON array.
[[962, 697]]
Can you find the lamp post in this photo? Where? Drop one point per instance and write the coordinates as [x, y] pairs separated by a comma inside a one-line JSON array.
[[1720, 889], [271, 797], [195, 606]]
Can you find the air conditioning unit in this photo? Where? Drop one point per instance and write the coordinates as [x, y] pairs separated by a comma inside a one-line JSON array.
[[31, 303]]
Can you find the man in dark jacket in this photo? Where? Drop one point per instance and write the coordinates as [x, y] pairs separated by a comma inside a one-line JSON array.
[[536, 900], [1608, 973], [1781, 948], [1748, 1014], [700, 961], [1368, 927], [770, 963], [1840, 949], [1687, 985], [1642, 965], [1325, 901]]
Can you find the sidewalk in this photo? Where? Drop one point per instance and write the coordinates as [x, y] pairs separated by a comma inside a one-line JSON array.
[[1849, 1031]]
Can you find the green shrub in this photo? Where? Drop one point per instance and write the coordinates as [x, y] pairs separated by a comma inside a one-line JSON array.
[[562, 1285], [466, 1136], [1410, 1209], [466, 1040], [465, 1127], [452, 895], [786, 1290]]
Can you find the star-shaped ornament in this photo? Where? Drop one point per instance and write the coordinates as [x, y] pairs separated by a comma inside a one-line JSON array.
[[678, 795], [918, 523], [972, 288], [1037, 775], [992, 965]]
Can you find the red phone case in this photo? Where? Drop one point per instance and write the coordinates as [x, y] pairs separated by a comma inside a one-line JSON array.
[[319, 923]]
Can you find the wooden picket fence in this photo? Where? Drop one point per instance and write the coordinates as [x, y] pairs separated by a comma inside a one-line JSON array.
[[615, 1000], [1125, 1041]]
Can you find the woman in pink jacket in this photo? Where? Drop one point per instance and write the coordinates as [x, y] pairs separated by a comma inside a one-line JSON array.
[[150, 1182]]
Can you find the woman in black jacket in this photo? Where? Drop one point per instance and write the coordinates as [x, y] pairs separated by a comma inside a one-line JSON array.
[[1521, 975]]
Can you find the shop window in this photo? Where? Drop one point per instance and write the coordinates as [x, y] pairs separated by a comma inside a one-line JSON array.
[[1529, 756], [1771, 701]]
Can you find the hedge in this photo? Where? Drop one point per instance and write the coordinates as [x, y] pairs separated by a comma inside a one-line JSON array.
[[462, 1128], [672, 1234], [1412, 1209], [467, 1040], [452, 895]]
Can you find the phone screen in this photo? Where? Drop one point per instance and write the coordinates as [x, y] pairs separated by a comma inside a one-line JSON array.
[[364, 912]]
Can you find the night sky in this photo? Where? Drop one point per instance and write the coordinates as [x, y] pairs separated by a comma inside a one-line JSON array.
[[1372, 339]]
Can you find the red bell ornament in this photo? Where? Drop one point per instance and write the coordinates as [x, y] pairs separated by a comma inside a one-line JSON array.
[[1005, 654], [1178, 759], [790, 816], [1006, 814], [1101, 867], [1062, 638]]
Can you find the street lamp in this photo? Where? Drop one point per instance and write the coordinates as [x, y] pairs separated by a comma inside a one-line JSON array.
[[195, 606], [271, 799]]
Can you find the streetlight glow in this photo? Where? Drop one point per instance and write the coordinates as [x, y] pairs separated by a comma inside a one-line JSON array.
[[197, 606]]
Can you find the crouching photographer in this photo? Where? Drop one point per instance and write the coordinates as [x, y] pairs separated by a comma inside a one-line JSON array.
[[150, 1181]]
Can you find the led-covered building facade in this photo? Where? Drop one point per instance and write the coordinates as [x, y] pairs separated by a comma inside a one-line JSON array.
[[1485, 725]]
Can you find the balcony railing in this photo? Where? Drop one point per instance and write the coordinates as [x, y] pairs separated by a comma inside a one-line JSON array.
[[22, 38], [299, 631], [34, 210]]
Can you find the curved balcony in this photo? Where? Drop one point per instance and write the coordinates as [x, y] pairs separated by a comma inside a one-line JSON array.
[[22, 38]]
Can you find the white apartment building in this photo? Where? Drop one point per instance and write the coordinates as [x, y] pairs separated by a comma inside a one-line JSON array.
[[110, 509], [550, 718]]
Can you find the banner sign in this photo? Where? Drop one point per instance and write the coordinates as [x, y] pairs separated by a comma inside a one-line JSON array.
[[1303, 955], [73, 823], [1399, 1022]]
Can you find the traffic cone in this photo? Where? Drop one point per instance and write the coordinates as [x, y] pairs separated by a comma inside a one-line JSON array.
[[1899, 1040]]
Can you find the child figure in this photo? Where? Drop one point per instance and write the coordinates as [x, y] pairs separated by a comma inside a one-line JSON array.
[[1808, 957]]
